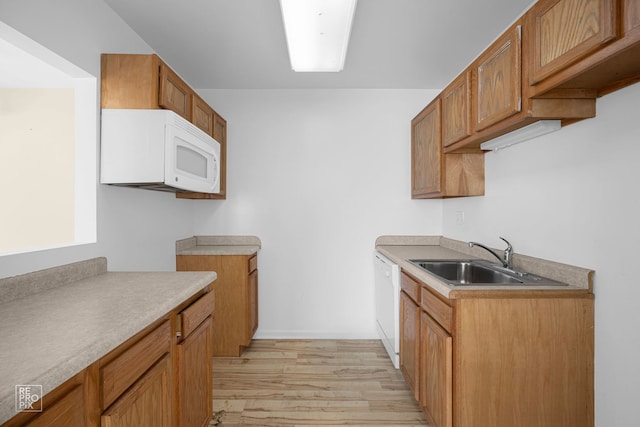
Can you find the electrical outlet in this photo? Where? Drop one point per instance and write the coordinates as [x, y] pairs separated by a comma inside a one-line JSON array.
[[459, 217]]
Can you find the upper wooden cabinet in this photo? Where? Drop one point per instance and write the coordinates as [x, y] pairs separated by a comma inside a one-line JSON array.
[[220, 135], [130, 81], [426, 154], [500, 94], [435, 174], [174, 93], [550, 64], [587, 45], [202, 115], [146, 82], [498, 74], [565, 31], [631, 17], [456, 110]]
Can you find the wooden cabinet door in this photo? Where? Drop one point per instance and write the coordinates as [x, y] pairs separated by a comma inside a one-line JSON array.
[[409, 342], [195, 382], [174, 94], [456, 110], [498, 74], [253, 305], [220, 135], [219, 129], [202, 115], [436, 377], [68, 411], [426, 152], [565, 31], [631, 16], [146, 404]]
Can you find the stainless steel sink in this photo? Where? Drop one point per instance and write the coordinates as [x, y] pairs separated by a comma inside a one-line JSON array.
[[479, 273]]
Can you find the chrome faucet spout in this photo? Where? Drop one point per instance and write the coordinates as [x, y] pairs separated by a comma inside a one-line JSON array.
[[508, 253], [506, 261]]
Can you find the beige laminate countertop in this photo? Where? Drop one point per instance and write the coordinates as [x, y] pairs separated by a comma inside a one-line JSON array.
[[218, 245], [55, 332], [401, 249]]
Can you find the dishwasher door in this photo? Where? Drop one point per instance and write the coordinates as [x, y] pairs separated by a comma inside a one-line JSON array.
[[387, 293]]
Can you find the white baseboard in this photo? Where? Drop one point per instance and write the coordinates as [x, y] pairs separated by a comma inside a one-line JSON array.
[[315, 335]]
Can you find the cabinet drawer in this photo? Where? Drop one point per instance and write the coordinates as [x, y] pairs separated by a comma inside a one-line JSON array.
[[436, 308], [120, 373], [411, 287], [146, 403], [195, 314], [253, 263]]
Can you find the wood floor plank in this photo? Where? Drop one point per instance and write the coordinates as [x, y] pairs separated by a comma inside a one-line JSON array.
[[311, 383]]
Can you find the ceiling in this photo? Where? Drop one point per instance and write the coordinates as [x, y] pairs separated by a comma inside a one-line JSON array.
[[395, 44]]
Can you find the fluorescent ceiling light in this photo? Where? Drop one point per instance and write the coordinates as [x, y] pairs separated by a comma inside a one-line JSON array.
[[317, 33], [521, 135]]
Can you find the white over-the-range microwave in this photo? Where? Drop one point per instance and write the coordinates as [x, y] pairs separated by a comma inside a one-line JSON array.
[[157, 150]]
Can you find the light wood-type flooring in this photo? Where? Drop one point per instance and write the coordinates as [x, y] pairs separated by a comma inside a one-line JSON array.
[[311, 383]]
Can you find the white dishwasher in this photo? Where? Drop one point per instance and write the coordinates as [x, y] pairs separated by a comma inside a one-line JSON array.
[[387, 288]]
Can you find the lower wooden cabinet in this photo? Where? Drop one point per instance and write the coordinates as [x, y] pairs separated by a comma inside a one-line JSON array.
[[67, 411], [253, 306], [194, 387], [499, 358], [409, 345], [147, 403], [193, 360], [236, 290], [123, 366], [436, 380], [409, 342], [161, 377]]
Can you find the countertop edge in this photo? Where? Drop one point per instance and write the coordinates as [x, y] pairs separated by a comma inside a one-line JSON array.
[[218, 245], [220, 250]]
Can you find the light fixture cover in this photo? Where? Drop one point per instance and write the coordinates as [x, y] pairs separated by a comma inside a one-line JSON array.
[[521, 135], [317, 33]]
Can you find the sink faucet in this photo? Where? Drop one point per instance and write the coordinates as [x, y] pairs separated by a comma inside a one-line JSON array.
[[506, 261]]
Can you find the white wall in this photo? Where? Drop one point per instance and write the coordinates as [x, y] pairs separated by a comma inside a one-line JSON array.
[[318, 175], [574, 197], [137, 229]]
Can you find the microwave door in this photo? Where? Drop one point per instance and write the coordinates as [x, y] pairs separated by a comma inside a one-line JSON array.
[[192, 163]]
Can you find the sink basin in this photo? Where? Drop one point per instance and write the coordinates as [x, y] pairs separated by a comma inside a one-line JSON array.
[[480, 272]]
